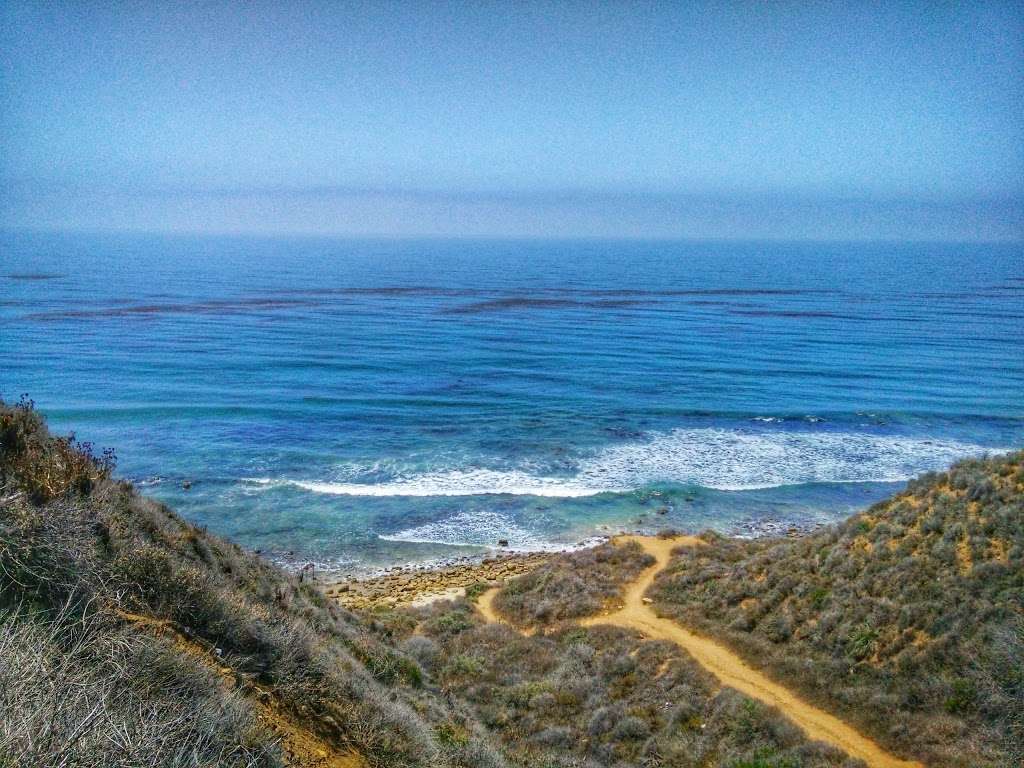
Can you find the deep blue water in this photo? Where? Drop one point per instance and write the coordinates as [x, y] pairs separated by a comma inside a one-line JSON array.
[[361, 403]]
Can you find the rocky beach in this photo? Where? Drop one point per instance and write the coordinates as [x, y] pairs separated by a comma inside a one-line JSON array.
[[415, 585]]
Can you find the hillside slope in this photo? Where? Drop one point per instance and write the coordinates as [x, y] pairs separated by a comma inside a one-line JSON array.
[[559, 694], [169, 646], [907, 619]]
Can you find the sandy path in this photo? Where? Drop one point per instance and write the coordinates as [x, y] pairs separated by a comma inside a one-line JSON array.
[[729, 668], [485, 604]]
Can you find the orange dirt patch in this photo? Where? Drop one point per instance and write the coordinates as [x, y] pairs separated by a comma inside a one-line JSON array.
[[998, 550], [964, 561]]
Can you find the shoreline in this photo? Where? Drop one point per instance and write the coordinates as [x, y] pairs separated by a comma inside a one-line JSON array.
[[418, 584]]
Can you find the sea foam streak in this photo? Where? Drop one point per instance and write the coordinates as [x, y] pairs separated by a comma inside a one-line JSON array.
[[481, 529], [473, 482], [721, 459], [734, 460]]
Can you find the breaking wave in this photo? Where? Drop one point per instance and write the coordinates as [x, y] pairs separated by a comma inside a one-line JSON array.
[[471, 482], [720, 459], [735, 460]]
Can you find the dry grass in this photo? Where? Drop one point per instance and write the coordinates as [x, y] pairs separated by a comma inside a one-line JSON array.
[[598, 697], [73, 693]]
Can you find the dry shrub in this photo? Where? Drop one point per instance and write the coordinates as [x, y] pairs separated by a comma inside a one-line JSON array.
[[75, 693], [44, 467], [579, 584]]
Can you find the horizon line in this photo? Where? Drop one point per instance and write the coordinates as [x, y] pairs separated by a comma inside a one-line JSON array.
[[7, 229]]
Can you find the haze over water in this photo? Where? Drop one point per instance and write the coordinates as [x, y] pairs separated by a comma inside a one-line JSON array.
[[361, 403]]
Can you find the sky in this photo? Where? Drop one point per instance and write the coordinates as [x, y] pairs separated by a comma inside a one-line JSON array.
[[740, 120]]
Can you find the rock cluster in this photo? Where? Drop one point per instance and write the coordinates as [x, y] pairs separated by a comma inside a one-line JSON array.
[[769, 528]]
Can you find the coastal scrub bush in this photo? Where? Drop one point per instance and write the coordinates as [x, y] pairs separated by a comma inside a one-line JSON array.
[[42, 467], [577, 584], [84, 556], [596, 696], [901, 618]]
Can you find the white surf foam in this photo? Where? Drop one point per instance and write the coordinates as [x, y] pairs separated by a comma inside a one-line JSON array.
[[722, 459], [481, 529], [733, 460], [471, 482]]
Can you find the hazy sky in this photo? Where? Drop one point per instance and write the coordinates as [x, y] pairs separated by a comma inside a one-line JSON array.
[[613, 119]]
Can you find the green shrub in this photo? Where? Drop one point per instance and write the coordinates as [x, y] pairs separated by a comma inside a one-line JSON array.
[[861, 641], [962, 697]]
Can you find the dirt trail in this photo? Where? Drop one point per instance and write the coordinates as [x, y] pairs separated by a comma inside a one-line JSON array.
[[485, 604], [725, 665], [302, 747]]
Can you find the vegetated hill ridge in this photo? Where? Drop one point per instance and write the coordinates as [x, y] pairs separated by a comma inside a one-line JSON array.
[[907, 619]]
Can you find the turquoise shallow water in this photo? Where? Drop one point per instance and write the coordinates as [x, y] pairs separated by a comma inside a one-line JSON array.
[[361, 403]]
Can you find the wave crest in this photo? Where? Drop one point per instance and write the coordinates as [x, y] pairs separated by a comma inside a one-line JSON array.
[[470, 482], [737, 460], [720, 459]]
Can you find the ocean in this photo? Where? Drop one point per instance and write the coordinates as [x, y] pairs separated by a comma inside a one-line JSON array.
[[363, 403]]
